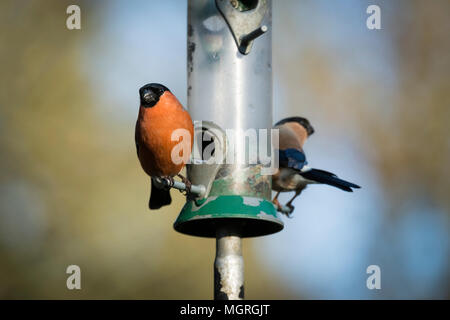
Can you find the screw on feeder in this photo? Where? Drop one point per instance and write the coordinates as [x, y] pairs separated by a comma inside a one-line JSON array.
[[234, 3]]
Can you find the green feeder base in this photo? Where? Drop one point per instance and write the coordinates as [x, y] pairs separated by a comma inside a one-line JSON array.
[[250, 217]]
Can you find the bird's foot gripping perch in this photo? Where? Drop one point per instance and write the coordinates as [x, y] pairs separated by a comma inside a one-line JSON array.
[[168, 182], [286, 210], [188, 184], [185, 185]]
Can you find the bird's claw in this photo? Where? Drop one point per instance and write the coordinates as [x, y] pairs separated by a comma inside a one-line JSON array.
[[188, 186], [277, 204], [187, 183], [169, 182], [187, 189], [282, 209], [291, 210]]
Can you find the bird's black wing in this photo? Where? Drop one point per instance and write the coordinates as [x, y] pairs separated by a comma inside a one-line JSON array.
[[322, 176], [136, 137]]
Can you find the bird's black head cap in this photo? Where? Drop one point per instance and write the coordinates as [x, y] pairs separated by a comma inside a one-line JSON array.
[[150, 94], [301, 121]]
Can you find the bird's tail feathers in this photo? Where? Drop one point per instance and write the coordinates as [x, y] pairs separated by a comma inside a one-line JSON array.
[[322, 176], [158, 197]]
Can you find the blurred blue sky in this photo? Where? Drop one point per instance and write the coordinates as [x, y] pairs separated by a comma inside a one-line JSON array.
[[324, 250]]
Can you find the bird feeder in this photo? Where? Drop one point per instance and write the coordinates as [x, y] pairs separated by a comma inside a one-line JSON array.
[[230, 98]]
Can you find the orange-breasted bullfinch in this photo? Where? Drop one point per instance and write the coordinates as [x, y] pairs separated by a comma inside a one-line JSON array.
[[293, 173], [160, 114]]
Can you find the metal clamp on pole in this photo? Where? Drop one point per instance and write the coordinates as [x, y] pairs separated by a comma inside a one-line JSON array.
[[244, 19]]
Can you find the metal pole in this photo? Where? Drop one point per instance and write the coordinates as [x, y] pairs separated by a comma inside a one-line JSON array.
[[228, 266]]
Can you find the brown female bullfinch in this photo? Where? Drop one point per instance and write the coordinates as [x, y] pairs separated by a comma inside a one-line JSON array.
[[160, 115], [293, 173]]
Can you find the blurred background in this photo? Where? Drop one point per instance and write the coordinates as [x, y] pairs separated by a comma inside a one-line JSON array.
[[72, 190]]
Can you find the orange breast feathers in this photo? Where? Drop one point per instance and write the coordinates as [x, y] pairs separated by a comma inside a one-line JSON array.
[[164, 137]]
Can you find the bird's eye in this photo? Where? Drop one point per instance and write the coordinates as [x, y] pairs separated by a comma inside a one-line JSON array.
[[148, 96]]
